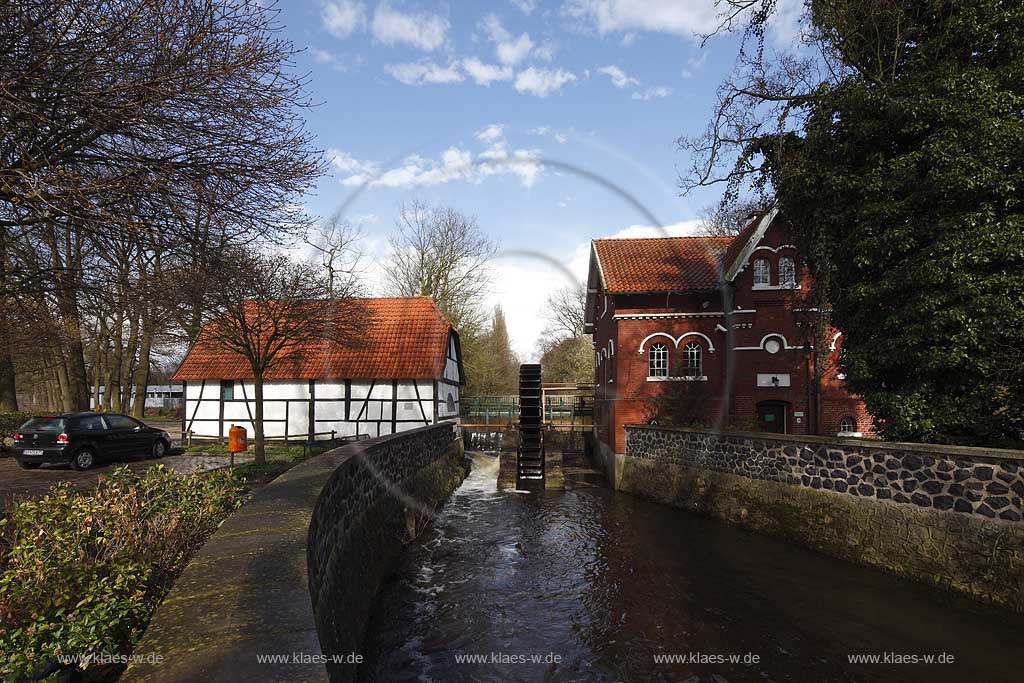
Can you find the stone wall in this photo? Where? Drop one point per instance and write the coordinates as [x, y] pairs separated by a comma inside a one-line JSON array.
[[295, 571], [945, 515]]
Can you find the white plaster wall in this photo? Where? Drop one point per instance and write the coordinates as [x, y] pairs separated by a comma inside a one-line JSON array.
[[330, 414]]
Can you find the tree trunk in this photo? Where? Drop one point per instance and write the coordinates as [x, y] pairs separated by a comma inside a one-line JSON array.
[[260, 456], [126, 363], [8, 389], [141, 383], [61, 370], [113, 393], [98, 366]]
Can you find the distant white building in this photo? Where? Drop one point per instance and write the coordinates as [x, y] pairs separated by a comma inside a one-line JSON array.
[[407, 373], [167, 396]]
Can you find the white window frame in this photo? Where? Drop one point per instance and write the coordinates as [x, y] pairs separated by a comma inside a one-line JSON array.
[[657, 360], [762, 272], [693, 358]]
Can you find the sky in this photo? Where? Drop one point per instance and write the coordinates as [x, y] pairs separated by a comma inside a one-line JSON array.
[[553, 123]]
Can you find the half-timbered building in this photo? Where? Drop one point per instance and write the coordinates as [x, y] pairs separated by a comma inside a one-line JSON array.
[[405, 372]]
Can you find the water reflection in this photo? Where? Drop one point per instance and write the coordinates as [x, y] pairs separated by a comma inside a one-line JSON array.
[[608, 583]]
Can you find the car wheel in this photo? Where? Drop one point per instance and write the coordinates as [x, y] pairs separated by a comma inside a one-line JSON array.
[[83, 460], [28, 465], [159, 449]]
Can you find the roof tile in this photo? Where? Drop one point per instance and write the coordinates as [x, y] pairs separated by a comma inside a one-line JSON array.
[[662, 264], [406, 339]]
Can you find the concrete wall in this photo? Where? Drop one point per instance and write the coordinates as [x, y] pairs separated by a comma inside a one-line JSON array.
[[295, 571], [943, 515]]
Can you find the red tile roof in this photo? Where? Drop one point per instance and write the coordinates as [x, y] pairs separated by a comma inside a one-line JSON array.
[[740, 241], [406, 339], [662, 264]]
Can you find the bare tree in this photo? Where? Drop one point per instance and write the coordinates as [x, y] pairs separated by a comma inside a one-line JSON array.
[[727, 220], [267, 309], [156, 121], [336, 242], [565, 311], [441, 253]]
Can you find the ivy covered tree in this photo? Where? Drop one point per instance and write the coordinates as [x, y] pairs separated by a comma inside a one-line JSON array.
[[902, 170]]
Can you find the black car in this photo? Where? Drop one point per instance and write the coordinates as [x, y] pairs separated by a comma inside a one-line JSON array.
[[81, 439]]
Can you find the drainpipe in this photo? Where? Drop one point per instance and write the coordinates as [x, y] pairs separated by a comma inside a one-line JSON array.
[[808, 424]]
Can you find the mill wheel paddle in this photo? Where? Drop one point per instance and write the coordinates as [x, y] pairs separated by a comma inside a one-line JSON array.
[[530, 456]]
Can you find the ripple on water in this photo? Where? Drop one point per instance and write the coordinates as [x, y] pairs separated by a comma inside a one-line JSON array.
[[607, 581]]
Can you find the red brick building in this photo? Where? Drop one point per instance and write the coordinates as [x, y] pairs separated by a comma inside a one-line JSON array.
[[725, 312]]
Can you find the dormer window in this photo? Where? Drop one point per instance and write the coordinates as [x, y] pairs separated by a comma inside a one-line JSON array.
[[657, 360], [762, 273], [787, 272]]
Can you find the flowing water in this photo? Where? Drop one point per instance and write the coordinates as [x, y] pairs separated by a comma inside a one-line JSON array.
[[591, 585]]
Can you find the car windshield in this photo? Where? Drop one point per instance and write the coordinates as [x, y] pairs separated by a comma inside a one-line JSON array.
[[44, 424]]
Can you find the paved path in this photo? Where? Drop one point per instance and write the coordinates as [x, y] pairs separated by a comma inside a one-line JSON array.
[[17, 483]]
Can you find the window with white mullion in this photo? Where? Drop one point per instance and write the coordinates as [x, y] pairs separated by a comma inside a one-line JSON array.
[[657, 360], [693, 365], [762, 273]]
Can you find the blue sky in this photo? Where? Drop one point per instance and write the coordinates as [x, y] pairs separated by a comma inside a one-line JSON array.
[[523, 113]]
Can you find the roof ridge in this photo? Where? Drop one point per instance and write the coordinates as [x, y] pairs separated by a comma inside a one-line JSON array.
[[664, 237]]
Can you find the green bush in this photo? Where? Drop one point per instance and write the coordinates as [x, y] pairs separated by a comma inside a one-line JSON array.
[[82, 571]]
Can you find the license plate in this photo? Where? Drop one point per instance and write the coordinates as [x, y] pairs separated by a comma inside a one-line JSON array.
[[32, 452]]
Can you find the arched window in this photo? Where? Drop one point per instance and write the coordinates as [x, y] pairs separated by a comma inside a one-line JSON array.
[[787, 272], [847, 424], [450, 404], [657, 360], [692, 359], [762, 273]]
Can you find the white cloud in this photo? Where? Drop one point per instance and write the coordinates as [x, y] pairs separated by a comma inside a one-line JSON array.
[[545, 52], [694, 64], [542, 82], [545, 131], [496, 33], [485, 74], [419, 73], [344, 162], [321, 56], [651, 93], [629, 38], [661, 16], [342, 17], [680, 229], [509, 50], [422, 30], [512, 52], [455, 163], [525, 6], [619, 77], [491, 133], [688, 19]]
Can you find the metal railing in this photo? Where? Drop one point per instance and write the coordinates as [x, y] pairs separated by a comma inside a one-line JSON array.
[[560, 411], [287, 438]]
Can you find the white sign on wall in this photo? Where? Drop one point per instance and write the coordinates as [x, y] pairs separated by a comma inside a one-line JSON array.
[[780, 379]]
